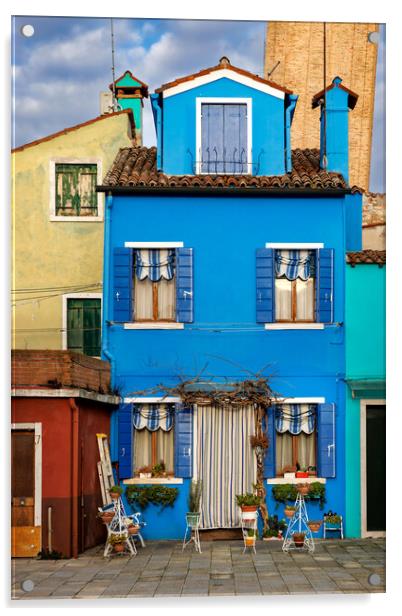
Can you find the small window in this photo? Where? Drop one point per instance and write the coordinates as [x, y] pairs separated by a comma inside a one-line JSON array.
[[295, 286], [295, 437], [224, 144], [84, 326], [75, 193], [153, 436], [154, 285]]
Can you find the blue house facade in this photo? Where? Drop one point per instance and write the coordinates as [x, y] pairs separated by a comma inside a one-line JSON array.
[[225, 258]]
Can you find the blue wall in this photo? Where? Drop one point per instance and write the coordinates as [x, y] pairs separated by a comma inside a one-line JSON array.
[[179, 128], [225, 233]]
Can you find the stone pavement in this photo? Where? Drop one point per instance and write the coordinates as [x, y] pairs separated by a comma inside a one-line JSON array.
[[162, 569]]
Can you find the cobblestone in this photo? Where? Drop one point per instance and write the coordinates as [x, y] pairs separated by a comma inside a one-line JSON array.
[[162, 569]]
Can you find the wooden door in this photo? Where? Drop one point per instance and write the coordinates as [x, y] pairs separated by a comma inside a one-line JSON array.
[[25, 535]]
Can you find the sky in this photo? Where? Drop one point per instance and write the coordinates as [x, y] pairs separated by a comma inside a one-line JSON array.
[[60, 70]]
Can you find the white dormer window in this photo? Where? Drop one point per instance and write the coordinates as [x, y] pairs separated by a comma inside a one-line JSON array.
[[223, 136]]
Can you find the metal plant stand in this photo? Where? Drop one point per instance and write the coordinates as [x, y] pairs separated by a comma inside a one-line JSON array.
[[249, 522], [119, 527], [192, 526], [299, 524]]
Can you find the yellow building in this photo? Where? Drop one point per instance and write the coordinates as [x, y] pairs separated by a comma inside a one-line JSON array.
[[299, 49], [58, 233]]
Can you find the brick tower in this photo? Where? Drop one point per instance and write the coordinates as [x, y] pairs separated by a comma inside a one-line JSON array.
[[299, 46]]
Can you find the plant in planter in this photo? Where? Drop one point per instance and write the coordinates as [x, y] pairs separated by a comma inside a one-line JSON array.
[[142, 496], [289, 511], [317, 491], [298, 539], [145, 472], [115, 492], [117, 541], [159, 470], [106, 516], [312, 471], [248, 502], [314, 525], [283, 493], [275, 528], [332, 519], [250, 537], [301, 472], [194, 503], [303, 488]]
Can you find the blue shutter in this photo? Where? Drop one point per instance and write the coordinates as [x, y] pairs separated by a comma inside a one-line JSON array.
[[184, 285], [211, 138], [122, 284], [265, 273], [125, 435], [183, 442], [269, 460], [326, 440], [325, 285], [235, 138]]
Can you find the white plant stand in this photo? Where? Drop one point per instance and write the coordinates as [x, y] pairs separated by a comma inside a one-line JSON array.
[[299, 524], [249, 522], [192, 526], [118, 526]]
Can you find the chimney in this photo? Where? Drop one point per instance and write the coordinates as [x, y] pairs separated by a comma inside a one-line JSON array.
[[335, 102], [130, 92]]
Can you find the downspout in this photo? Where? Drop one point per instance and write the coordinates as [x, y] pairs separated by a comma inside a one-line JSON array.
[[74, 477], [106, 315], [288, 122]]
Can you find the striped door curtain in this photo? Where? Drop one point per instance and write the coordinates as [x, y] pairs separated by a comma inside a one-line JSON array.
[[224, 460], [155, 264], [293, 264], [295, 418]]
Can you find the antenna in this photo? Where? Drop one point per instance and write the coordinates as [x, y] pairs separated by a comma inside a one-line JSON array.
[[324, 110], [272, 69], [114, 104]]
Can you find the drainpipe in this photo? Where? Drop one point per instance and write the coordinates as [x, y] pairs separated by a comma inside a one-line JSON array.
[[289, 115], [107, 298], [74, 477]]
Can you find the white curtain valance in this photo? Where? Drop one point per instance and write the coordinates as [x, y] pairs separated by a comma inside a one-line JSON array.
[[153, 417]]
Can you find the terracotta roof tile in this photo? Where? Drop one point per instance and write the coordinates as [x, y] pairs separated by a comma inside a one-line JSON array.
[[136, 167], [366, 257]]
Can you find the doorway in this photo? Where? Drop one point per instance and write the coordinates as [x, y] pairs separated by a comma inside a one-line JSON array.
[[224, 460], [373, 461], [26, 489]]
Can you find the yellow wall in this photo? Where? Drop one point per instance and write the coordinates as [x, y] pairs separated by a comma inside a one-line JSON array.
[[49, 254]]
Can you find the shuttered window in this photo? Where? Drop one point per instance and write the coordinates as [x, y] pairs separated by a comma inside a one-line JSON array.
[[224, 138], [76, 190], [84, 326]]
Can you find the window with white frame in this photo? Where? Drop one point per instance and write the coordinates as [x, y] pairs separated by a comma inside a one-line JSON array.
[[295, 437], [295, 285], [75, 193], [153, 441], [83, 325], [154, 283]]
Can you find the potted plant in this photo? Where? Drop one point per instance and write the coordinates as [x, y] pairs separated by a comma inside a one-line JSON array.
[[132, 527], [317, 491], [250, 538], [312, 471], [248, 502], [145, 472], [301, 472], [115, 492], [159, 470], [314, 525], [303, 488], [332, 519], [289, 511], [193, 502], [298, 539], [117, 541], [283, 493], [275, 528], [106, 516]]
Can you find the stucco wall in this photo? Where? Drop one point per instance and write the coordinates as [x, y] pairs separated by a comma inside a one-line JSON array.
[[64, 256]]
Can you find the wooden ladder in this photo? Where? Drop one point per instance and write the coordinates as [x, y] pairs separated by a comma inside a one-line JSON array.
[[105, 471]]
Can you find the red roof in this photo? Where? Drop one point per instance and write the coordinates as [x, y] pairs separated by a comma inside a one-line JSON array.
[[144, 87], [336, 83]]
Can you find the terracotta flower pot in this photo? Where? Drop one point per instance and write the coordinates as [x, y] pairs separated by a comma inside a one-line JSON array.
[[114, 495], [298, 539], [107, 517], [249, 507], [250, 541], [289, 513], [314, 526], [118, 547], [133, 530], [303, 474]]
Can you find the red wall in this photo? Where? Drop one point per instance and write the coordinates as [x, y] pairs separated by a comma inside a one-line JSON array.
[[55, 414]]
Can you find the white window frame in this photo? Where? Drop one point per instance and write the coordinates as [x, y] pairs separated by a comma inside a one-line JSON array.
[[199, 101], [52, 189], [295, 480], [64, 299], [37, 429], [364, 403], [294, 246], [153, 480]]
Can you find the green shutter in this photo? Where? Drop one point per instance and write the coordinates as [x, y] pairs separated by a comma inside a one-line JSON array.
[[84, 326], [76, 190]]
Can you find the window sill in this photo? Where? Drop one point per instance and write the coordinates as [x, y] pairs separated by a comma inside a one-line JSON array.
[[153, 480], [54, 218], [156, 325], [294, 326], [295, 480]]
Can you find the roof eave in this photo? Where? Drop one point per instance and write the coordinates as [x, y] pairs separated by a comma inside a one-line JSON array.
[[233, 191]]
